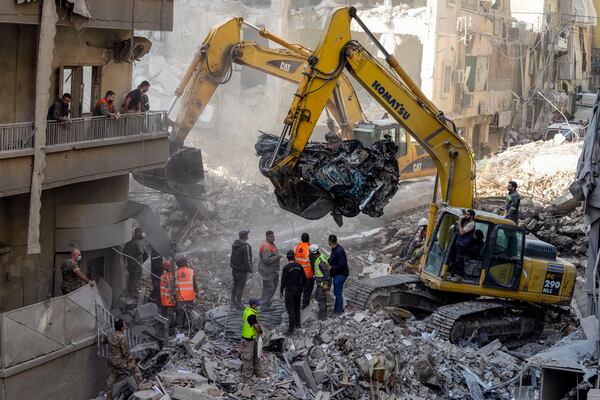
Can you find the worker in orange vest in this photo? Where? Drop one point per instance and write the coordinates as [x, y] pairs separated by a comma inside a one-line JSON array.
[[186, 288], [167, 295], [302, 258]]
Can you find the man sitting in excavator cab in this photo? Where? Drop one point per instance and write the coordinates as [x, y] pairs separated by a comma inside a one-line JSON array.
[[465, 228]]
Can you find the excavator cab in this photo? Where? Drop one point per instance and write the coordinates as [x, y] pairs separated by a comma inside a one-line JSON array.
[[494, 258], [373, 131]]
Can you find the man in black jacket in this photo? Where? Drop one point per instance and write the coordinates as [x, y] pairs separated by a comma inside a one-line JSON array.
[[293, 281], [241, 266]]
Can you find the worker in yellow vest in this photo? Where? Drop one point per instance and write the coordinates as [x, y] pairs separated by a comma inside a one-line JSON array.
[[322, 278], [186, 288], [249, 350]]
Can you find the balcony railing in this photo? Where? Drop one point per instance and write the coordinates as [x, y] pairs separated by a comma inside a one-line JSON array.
[[20, 136]]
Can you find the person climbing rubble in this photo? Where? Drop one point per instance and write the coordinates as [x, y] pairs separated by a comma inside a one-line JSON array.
[[415, 247], [168, 301], [120, 358], [186, 289], [251, 329], [302, 258], [268, 268], [241, 266], [136, 254], [321, 269], [292, 282]]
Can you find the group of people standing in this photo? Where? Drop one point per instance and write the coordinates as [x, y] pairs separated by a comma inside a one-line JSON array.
[[308, 270], [136, 101]]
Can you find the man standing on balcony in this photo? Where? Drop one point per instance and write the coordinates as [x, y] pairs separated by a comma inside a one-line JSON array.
[[72, 276], [105, 107], [133, 101], [60, 111]]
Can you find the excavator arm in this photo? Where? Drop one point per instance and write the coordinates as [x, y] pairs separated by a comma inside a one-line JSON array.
[[396, 93], [212, 66]]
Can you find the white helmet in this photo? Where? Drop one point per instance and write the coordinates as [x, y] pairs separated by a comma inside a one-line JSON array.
[[314, 248], [423, 222]]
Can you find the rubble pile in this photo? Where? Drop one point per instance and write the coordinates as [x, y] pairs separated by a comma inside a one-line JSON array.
[[543, 170], [356, 356]]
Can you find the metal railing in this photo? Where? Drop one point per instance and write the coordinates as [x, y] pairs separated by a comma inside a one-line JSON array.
[[16, 136], [99, 128], [20, 136]]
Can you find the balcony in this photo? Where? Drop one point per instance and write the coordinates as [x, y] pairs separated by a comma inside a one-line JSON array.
[[87, 149]]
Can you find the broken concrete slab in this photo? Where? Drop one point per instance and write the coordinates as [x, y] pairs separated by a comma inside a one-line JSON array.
[[490, 348], [565, 203], [305, 373], [184, 393], [147, 395], [174, 378], [147, 311], [233, 363], [198, 339]]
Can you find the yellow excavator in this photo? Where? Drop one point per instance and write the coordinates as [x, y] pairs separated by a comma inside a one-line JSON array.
[[509, 281], [212, 66]]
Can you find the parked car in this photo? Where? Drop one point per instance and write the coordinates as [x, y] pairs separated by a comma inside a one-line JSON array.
[[572, 132]]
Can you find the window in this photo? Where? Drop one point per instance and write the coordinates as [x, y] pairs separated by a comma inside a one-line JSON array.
[[472, 5], [83, 82], [401, 142], [440, 244], [507, 258], [447, 79]]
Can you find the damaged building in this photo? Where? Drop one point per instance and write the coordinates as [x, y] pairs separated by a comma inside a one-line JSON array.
[[66, 185]]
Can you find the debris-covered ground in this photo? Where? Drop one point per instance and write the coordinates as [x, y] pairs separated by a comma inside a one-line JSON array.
[[360, 355]]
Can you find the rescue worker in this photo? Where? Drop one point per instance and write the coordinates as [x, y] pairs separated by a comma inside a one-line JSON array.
[[415, 247], [268, 268], [60, 110], [145, 103], [72, 277], [156, 270], [136, 253], [119, 358], [167, 294], [249, 351], [466, 232], [513, 201], [292, 282], [186, 288], [105, 107], [241, 266], [133, 100], [302, 258], [321, 269], [338, 263]]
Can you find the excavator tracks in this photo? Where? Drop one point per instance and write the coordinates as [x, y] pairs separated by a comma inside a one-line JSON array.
[[488, 319], [362, 293]]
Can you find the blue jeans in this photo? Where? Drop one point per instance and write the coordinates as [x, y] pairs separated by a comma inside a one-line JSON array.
[[338, 291]]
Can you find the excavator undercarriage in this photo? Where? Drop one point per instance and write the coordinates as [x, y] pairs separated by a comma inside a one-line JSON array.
[[454, 317]]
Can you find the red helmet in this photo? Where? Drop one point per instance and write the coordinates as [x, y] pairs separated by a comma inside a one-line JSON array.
[[166, 264]]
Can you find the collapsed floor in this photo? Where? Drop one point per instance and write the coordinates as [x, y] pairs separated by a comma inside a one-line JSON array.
[[359, 355]]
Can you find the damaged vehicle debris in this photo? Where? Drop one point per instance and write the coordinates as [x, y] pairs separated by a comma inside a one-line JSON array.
[[345, 182]]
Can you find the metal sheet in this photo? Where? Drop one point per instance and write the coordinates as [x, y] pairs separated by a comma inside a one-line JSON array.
[[39, 329]]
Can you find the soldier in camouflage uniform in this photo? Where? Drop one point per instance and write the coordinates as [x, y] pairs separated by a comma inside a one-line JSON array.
[[72, 277], [136, 253], [119, 358]]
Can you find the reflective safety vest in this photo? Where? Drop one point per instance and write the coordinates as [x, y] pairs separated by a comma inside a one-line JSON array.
[[248, 332], [184, 280], [166, 297], [302, 259], [318, 271]]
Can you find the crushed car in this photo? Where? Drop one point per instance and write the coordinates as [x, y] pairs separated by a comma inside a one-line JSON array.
[[344, 182]]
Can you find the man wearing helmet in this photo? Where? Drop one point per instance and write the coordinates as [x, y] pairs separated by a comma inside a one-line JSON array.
[[320, 265], [292, 282]]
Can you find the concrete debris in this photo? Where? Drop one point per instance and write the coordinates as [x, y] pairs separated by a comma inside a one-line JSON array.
[[147, 395]]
